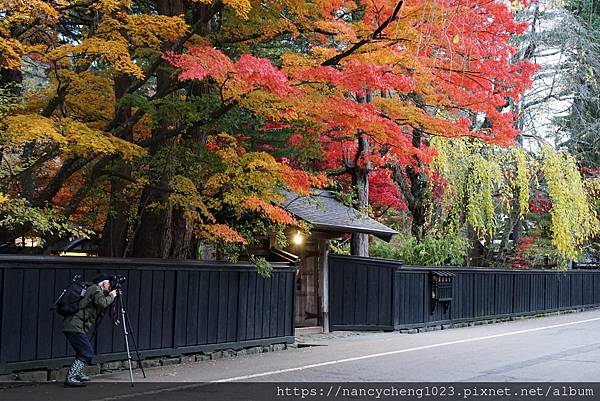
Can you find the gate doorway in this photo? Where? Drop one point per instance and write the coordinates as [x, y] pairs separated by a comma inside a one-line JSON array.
[[328, 219]]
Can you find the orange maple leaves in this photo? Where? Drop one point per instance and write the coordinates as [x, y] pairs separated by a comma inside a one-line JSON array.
[[427, 71]]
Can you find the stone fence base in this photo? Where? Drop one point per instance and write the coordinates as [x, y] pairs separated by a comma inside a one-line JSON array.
[[42, 375]]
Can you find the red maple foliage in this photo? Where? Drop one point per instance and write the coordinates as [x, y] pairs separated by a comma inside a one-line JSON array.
[[540, 204], [518, 261], [420, 70]]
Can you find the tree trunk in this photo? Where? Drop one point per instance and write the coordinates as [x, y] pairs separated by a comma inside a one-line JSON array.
[[360, 182], [158, 233], [181, 244], [116, 227], [418, 190]]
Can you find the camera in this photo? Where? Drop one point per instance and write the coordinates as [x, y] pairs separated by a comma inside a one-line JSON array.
[[117, 281]]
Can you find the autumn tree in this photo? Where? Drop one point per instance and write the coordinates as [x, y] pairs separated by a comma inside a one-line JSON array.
[[154, 104], [114, 117], [416, 73]]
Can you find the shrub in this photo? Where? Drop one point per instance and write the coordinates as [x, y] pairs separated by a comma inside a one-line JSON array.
[[429, 251]]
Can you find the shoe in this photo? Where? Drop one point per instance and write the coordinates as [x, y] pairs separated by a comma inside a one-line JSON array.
[[74, 371], [74, 383], [82, 377]]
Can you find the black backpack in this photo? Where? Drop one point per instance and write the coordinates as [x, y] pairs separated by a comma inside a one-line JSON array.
[[67, 303]]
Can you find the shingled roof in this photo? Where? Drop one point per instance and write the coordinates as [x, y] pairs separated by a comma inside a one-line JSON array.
[[325, 213]]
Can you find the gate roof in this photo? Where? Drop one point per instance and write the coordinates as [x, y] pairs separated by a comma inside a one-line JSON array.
[[326, 214]]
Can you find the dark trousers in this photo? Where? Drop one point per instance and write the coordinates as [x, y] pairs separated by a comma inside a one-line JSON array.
[[82, 346]]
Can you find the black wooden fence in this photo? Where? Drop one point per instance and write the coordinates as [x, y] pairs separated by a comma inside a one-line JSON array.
[[175, 307], [379, 294]]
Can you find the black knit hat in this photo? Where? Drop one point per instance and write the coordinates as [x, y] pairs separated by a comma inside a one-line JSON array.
[[101, 277]]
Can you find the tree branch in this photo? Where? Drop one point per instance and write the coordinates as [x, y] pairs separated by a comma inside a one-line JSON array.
[[375, 35]]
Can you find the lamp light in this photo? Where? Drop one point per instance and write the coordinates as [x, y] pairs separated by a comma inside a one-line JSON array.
[[297, 239]]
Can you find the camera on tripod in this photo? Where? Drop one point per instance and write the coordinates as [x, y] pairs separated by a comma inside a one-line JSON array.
[[116, 282]]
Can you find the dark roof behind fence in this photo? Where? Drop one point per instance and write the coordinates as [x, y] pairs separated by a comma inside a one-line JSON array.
[[325, 213]]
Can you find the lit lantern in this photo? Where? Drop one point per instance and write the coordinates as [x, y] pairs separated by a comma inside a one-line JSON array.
[[297, 239]]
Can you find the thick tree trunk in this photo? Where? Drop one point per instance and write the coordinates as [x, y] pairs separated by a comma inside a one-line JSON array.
[[157, 234], [152, 236], [181, 244], [114, 234]]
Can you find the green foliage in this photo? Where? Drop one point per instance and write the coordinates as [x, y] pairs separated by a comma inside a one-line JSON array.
[[17, 212], [343, 248], [430, 251], [474, 174], [9, 101], [263, 267], [587, 11]]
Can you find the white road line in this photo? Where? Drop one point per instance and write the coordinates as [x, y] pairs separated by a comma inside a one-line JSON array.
[[401, 351], [316, 365]]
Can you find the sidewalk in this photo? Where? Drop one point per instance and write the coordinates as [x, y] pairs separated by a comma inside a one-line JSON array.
[[326, 338]]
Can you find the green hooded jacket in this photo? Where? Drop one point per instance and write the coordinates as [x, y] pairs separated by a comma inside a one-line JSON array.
[[93, 303]]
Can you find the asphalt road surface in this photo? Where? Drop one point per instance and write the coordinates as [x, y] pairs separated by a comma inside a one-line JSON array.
[[563, 348]]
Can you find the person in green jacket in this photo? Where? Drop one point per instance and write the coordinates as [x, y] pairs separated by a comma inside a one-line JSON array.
[[98, 297]]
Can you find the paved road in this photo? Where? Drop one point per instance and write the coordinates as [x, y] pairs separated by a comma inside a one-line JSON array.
[[557, 348]]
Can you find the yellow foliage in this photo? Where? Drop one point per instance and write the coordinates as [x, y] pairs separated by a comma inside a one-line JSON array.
[[152, 30], [71, 136], [522, 180], [592, 187], [264, 103], [245, 175], [294, 62], [572, 218], [83, 140], [90, 95], [408, 113], [108, 6], [113, 52], [241, 7], [186, 196], [473, 180], [26, 128], [26, 11], [10, 53]]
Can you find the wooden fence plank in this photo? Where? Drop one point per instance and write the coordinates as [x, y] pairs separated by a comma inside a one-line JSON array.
[[12, 318]]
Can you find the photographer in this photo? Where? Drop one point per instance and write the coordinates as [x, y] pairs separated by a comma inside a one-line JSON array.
[[98, 297]]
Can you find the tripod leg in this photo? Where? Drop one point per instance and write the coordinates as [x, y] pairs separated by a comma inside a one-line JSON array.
[[126, 334], [135, 348]]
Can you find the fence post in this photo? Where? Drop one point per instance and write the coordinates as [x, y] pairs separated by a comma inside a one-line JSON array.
[[2, 292], [325, 285], [395, 297]]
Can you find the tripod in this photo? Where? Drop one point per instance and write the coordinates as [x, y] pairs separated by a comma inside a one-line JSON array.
[[126, 331]]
